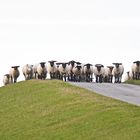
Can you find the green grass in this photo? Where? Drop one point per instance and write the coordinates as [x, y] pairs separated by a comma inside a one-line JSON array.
[[55, 110], [134, 82]]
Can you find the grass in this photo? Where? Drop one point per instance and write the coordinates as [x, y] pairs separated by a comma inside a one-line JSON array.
[[134, 82], [55, 110]]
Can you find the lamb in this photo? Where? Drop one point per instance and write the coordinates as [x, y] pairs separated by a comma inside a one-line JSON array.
[[88, 72], [77, 71], [41, 70], [136, 70], [99, 72], [14, 73], [118, 72], [108, 77], [63, 70], [27, 71], [51, 69], [6, 79]]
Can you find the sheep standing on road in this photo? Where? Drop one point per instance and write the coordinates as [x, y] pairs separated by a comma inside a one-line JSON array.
[[51, 69], [71, 65], [6, 79], [27, 71], [136, 70], [14, 74], [77, 71], [99, 72], [108, 74], [88, 72], [118, 72], [42, 71], [63, 70]]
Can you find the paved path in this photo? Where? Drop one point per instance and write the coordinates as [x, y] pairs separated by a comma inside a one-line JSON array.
[[125, 92]]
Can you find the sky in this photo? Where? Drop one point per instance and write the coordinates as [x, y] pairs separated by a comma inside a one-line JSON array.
[[89, 31]]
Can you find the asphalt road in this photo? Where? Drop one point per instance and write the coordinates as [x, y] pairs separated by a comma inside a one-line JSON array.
[[124, 92]]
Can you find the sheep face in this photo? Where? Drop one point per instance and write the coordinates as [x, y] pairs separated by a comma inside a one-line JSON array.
[[99, 66], [15, 67], [117, 64], [137, 63], [64, 65], [42, 64], [110, 68], [51, 63], [88, 66], [78, 67], [72, 63]]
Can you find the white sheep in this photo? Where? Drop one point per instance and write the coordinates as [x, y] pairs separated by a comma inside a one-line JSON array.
[[99, 73], [41, 70], [63, 70], [108, 76], [14, 74], [51, 69], [128, 76], [6, 79], [88, 72], [118, 72], [71, 65], [135, 68], [27, 71], [57, 73], [77, 71]]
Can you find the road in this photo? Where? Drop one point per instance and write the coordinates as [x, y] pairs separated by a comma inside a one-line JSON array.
[[124, 92]]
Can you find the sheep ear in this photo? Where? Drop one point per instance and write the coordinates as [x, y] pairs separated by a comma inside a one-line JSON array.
[[97, 65], [120, 63], [58, 63], [102, 65], [15, 66], [6, 74], [78, 63], [136, 62]]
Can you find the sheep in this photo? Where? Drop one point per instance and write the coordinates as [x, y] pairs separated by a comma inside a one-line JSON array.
[[6, 79], [118, 72], [71, 65], [57, 73], [77, 71], [88, 72], [51, 68], [98, 72], [127, 76], [63, 70], [27, 71], [108, 74], [41, 70], [14, 73], [136, 70]]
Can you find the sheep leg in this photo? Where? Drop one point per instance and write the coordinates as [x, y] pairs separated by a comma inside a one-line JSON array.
[[97, 79]]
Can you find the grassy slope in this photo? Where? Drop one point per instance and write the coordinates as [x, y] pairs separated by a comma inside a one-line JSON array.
[[54, 110], [134, 82]]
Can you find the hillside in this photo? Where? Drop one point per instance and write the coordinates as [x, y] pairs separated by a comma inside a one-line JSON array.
[[55, 110], [134, 82]]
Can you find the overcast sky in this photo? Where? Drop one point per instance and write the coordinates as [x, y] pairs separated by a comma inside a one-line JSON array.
[[95, 31]]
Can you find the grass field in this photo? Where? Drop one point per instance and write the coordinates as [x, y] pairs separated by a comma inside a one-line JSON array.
[[134, 82], [55, 110]]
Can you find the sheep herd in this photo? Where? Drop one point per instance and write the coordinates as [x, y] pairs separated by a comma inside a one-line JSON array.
[[73, 71]]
